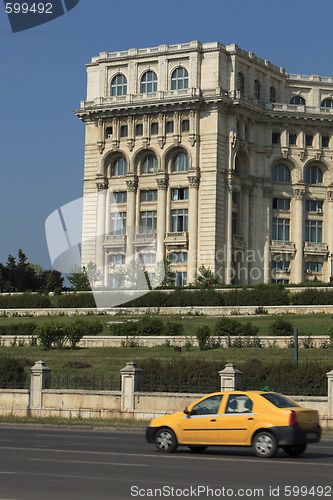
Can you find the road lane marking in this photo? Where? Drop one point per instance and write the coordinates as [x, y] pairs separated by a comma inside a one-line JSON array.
[[85, 462], [78, 436]]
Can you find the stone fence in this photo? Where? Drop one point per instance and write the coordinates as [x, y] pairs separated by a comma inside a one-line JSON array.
[[129, 402]]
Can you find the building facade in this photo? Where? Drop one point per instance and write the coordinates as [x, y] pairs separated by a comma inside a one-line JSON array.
[[223, 158]]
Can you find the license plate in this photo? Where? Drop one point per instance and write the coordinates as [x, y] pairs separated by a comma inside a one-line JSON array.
[[311, 435]]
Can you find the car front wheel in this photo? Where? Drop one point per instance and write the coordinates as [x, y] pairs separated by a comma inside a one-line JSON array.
[[165, 440], [264, 445], [294, 450]]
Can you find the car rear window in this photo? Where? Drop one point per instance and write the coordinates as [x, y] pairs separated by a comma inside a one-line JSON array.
[[279, 400]]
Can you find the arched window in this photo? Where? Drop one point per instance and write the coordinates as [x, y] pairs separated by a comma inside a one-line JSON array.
[[180, 163], [313, 175], [119, 85], [149, 82], [272, 94], [179, 79], [297, 99], [327, 103], [240, 82], [257, 89], [281, 173], [149, 165], [119, 167]]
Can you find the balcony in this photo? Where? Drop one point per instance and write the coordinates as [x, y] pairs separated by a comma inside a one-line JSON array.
[[316, 249], [238, 242], [178, 239], [283, 247], [115, 241], [145, 240]]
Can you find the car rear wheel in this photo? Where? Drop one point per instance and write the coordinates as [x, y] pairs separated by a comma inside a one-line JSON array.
[[294, 450], [264, 445], [197, 449], [165, 440]]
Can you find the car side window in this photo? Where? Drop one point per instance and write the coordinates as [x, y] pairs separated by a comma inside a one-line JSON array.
[[209, 406], [239, 403]]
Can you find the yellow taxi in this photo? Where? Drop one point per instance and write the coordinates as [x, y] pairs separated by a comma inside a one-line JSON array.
[[263, 420]]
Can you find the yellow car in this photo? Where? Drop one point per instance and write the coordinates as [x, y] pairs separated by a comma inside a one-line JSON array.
[[263, 420]]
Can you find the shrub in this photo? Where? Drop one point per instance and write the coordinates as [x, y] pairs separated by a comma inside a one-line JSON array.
[[281, 327], [93, 327], [150, 326], [227, 326], [124, 329], [249, 330], [24, 301], [174, 329], [313, 297], [79, 300], [75, 332], [27, 328], [203, 335], [46, 333], [12, 372]]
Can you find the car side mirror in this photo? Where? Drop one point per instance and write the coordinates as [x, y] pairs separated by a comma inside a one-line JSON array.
[[187, 412]]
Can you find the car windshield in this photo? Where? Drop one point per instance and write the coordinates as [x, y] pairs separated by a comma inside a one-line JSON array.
[[279, 400]]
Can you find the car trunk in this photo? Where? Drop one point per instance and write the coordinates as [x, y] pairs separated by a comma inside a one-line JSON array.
[[307, 419]]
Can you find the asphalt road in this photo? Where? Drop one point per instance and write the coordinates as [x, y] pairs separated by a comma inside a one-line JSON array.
[[69, 464]]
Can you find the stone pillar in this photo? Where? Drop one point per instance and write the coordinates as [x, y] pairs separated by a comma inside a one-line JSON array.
[[231, 378], [162, 185], [245, 213], [228, 278], [40, 379], [330, 392], [298, 237], [194, 181], [329, 224], [132, 186], [267, 191], [100, 232], [131, 377]]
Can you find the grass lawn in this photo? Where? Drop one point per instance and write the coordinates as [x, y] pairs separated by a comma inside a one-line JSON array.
[[307, 324]]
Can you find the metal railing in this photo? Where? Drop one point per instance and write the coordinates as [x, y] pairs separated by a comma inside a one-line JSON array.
[[85, 382]]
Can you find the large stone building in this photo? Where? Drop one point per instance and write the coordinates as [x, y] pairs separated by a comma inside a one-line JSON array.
[[222, 157]]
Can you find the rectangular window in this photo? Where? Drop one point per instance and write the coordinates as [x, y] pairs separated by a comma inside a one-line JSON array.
[[139, 129], [179, 194], [280, 229], [119, 197], [179, 220], [148, 195], [280, 265], [154, 128], [117, 259], [234, 223], [116, 282], [180, 279], [281, 203], [108, 133], [314, 206], [185, 125], [325, 140], [148, 222], [178, 257], [123, 131], [118, 223], [292, 139], [234, 197], [169, 127], [314, 267], [308, 140], [148, 258], [313, 231], [275, 138]]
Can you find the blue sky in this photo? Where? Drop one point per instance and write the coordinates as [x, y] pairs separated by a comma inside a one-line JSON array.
[[43, 79]]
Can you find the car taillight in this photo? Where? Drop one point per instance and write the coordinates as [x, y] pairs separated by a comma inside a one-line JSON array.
[[293, 418]]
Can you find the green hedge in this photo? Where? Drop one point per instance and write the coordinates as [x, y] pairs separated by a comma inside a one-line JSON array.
[[24, 328], [313, 297], [146, 326], [24, 301], [80, 300]]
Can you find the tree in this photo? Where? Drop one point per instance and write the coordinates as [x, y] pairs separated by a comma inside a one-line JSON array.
[[164, 274], [79, 279], [205, 277], [133, 274]]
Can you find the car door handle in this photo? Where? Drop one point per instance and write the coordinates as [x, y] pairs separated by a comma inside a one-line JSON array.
[[213, 420], [250, 418]]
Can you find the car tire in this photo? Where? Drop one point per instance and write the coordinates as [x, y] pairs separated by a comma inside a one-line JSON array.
[[165, 440], [294, 450], [264, 444], [197, 449]]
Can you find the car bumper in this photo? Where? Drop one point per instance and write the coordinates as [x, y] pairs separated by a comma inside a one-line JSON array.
[[296, 435], [150, 431]]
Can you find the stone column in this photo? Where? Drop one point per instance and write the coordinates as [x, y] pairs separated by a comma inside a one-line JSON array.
[[229, 185], [40, 379], [231, 378], [100, 230], [194, 181], [267, 191], [131, 376], [162, 184], [330, 392], [245, 213], [298, 237], [132, 186], [329, 224]]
